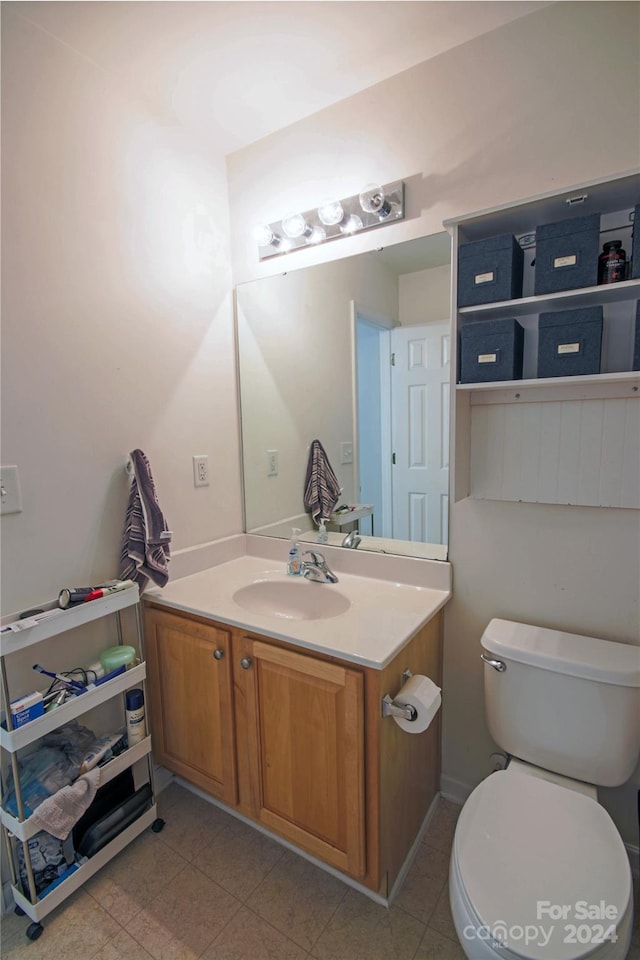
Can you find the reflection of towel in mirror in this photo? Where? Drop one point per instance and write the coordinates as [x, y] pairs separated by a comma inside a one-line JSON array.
[[321, 488], [145, 543], [59, 813]]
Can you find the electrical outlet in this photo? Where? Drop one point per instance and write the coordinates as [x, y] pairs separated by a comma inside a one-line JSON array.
[[10, 498], [346, 452], [201, 470], [272, 463]]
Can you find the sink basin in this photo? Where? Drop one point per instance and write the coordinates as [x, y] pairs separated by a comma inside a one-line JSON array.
[[292, 599]]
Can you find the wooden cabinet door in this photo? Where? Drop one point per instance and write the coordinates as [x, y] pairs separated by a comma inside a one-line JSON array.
[[306, 739], [190, 701]]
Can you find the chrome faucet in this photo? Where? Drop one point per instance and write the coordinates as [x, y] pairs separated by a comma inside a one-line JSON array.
[[352, 540], [317, 568]]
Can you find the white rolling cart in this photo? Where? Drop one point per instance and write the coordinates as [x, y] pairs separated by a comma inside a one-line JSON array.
[[18, 830]]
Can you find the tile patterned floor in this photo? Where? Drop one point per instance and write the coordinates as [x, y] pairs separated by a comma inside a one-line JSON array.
[[210, 887]]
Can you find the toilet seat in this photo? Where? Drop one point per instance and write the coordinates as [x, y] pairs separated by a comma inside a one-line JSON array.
[[526, 848]]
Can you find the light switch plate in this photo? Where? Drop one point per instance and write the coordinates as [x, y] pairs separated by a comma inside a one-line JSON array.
[[10, 497], [272, 463], [346, 452]]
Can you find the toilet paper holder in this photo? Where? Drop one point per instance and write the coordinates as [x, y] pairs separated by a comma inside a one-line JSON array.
[[392, 709]]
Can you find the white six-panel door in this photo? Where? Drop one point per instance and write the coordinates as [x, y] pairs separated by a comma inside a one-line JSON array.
[[420, 431]]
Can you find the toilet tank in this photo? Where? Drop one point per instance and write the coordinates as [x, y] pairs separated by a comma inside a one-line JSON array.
[[566, 703]]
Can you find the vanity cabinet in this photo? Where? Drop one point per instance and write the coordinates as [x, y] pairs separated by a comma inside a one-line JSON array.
[[190, 701], [295, 740], [304, 734], [564, 439]]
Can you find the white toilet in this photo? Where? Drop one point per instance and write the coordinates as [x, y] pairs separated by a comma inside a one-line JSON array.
[[538, 868]]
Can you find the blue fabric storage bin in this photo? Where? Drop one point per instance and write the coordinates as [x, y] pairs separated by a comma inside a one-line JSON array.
[[635, 247], [569, 342], [491, 350], [636, 339], [567, 254], [489, 270]]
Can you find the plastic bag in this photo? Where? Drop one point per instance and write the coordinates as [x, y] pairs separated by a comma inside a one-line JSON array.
[[55, 764], [50, 859]]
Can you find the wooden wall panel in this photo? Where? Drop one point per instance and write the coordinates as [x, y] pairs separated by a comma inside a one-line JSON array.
[[583, 452]]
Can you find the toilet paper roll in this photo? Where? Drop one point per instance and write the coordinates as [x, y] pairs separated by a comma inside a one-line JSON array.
[[421, 693]]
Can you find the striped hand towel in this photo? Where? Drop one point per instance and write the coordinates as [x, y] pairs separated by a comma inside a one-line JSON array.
[[145, 544], [321, 488]]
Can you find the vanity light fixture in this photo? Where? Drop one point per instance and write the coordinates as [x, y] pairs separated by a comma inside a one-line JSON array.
[[373, 199], [351, 224], [294, 225], [331, 212], [265, 236], [376, 205]]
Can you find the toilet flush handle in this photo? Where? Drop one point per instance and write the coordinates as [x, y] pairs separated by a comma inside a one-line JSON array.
[[498, 665]]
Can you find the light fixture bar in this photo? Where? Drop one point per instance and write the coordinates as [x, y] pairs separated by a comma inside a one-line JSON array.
[[374, 206]]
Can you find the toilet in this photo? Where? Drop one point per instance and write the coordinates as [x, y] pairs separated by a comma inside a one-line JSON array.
[[538, 869]]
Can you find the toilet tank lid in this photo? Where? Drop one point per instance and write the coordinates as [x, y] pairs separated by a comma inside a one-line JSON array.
[[603, 660]]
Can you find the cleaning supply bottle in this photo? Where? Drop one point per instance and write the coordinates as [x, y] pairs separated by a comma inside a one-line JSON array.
[[322, 537], [134, 712], [294, 564]]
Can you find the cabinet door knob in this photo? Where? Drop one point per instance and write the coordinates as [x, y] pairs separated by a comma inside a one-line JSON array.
[[246, 662], [219, 653]]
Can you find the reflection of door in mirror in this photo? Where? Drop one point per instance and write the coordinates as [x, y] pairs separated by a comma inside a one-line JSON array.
[[299, 380], [420, 432], [402, 426]]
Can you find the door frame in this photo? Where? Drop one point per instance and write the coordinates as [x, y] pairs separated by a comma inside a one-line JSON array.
[[384, 324]]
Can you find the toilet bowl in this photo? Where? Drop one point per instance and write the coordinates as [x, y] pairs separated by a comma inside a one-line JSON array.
[[538, 869], [539, 872]]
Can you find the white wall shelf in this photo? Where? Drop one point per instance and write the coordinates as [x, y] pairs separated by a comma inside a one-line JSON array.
[[563, 300], [571, 440], [597, 386]]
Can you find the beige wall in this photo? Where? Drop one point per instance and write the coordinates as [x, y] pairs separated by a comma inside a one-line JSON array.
[[425, 296], [523, 110], [117, 327]]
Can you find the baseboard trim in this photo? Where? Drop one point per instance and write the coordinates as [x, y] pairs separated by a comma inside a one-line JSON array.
[[455, 790], [406, 866], [162, 778]]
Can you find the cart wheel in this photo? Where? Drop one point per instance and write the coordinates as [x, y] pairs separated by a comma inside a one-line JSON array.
[[34, 930], [19, 912], [157, 825]]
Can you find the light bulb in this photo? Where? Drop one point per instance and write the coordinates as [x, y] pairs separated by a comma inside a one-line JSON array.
[[265, 237], [294, 225], [317, 235], [330, 212], [372, 200], [352, 224]]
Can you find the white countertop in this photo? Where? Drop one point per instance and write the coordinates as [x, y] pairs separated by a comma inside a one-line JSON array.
[[383, 616]]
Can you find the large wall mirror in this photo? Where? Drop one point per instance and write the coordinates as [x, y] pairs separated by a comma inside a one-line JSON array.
[[354, 353]]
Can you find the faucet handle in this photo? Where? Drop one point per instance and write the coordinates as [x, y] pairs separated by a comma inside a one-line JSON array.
[[316, 558]]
